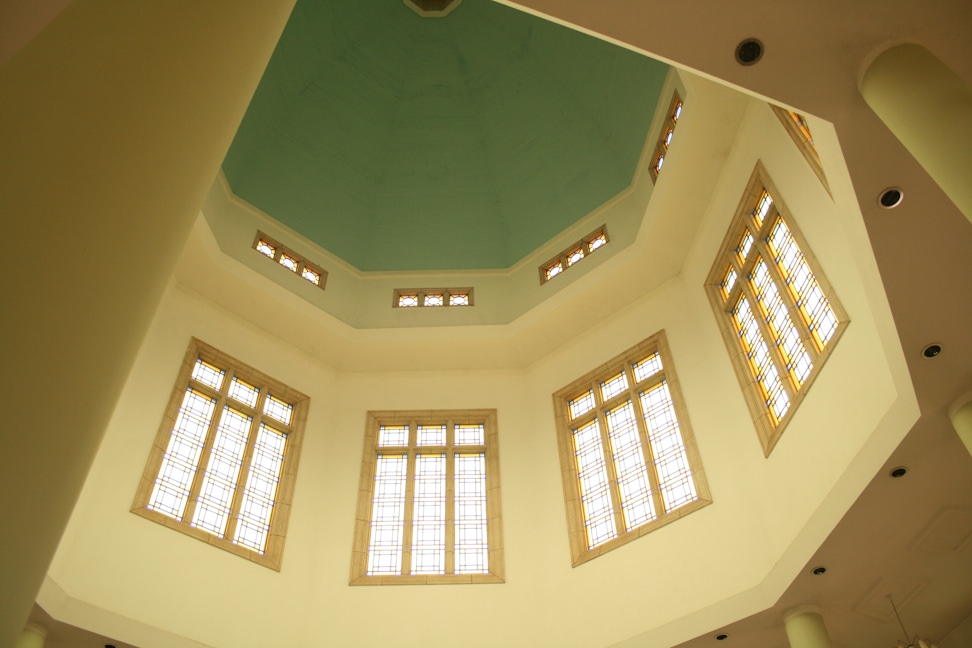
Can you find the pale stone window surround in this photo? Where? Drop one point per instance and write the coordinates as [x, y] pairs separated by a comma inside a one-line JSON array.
[[268, 422], [632, 412], [776, 358], [410, 424], [796, 127]]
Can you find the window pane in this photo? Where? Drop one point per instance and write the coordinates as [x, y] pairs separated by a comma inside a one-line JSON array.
[[207, 374], [265, 248], [311, 276], [407, 301], [219, 481], [259, 494], [431, 435], [278, 409], [470, 434], [803, 286], [760, 361], [614, 386], [434, 300], [594, 485], [459, 299], [392, 435], [574, 256], [387, 515], [243, 392], [429, 514], [181, 459], [648, 367], [775, 314], [671, 460], [630, 467], [471, 541], [289, 262], [582, 404]]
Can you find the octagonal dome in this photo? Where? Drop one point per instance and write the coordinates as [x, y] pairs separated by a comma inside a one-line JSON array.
[[403, 143]]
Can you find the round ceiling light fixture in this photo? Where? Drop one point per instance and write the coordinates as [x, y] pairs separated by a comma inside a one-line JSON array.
[[749, 51], [900, 471], [890, 198], [933, 350], [818, 571], [722, 636]]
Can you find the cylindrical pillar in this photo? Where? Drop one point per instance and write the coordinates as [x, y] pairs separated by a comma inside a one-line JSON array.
[[32, 636], [114, 121], [805, 628], [962, 422], [929, 108]]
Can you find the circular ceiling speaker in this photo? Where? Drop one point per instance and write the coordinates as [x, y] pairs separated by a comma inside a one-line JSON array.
[[749, 51], [890, 198]]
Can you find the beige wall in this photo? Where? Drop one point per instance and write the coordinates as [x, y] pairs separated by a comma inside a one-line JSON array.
[[123, 575]]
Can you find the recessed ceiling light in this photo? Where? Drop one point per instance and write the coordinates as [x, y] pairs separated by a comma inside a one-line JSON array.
[[900, 471], [722, 636], [933, 350], [749, 51], [818, 571], [890, 198]]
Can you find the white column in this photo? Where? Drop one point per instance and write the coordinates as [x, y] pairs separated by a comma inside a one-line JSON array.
[[114, 120], [32, 636], [961, 415], [805, 628], [929, 108]]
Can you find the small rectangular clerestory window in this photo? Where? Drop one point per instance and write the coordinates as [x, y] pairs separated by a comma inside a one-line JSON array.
[[666, 137], [628, 457], [797, 128], [290, 260], [779, 317], [225, 458], [428, 500], [432, 297], [574, 254]]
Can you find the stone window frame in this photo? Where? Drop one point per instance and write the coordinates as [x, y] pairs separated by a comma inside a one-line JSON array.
[[362, 529], [568, 258], [272, 555], [580, 549], [795, 125], [769, 428]]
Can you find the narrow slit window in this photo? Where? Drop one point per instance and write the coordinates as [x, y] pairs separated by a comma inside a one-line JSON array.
[[432, 297], [290, 260], [666, 137]]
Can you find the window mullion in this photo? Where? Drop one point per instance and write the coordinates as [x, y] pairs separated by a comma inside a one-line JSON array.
[[205, 453], [647, 452], [246, 462], [450, 503], [613, 487], [409, 495]]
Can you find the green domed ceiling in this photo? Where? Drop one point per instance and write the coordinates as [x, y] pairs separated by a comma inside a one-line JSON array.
[[399, 142]]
